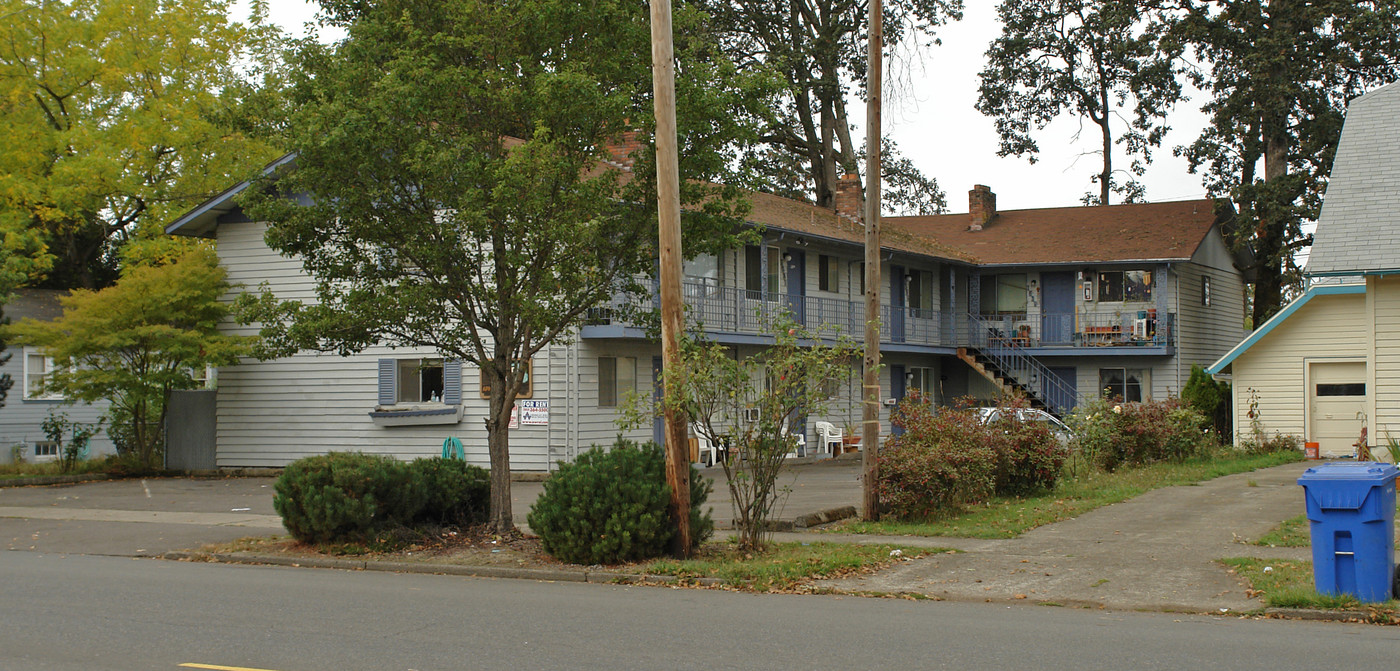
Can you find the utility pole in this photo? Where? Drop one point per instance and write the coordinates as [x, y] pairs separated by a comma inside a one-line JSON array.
[[870, 417], [663, 78]]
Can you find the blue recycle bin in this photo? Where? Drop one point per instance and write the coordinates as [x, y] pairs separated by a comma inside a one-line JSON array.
[[1351, 507]]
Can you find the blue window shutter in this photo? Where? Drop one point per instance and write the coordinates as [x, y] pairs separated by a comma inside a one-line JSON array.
[[388, 395], [452, 382]]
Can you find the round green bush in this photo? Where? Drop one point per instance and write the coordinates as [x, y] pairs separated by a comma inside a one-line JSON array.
[[609, 506], [454, 492], [1029, 458], [345, 496]]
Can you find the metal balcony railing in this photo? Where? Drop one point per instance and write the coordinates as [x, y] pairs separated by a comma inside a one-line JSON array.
[[734, 310]]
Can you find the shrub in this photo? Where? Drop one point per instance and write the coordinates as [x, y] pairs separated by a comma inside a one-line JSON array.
[[1209, 397], [1112, 434], [454, 493], [609, 506], [942, 461], [1029, 458], [345, 496]]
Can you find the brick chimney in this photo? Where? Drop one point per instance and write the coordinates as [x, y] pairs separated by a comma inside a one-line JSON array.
[[620, 150], [981, 206], [847, 200]]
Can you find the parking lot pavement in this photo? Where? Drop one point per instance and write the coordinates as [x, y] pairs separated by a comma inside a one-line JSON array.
[[151, 516]]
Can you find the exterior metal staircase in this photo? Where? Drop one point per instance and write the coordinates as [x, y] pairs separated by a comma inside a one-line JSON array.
[[1002, 359]]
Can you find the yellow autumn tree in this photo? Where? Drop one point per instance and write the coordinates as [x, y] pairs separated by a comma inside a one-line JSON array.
[[114, 118]]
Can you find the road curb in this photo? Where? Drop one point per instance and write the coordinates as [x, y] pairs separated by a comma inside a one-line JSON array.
[[503, 572], [40, 480]]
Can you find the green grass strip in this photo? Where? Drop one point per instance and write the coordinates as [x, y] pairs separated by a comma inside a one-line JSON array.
[[1008, 517], [783, 565]]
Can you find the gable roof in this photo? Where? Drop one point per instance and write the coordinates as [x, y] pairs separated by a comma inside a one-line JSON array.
[[1358, 230], [1170, 231], [1313, 292]]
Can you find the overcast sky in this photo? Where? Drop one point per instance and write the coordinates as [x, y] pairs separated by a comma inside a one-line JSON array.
[[929, 112]]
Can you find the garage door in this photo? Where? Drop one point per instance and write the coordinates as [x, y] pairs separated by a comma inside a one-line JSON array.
[[1337, 399]]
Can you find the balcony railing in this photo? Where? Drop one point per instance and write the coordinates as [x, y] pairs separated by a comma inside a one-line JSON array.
[[733, 310]]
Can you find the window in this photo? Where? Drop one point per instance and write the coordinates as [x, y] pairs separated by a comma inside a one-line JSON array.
[[861, 275], [1342, 389], [757, 279], [616, 377], [1125, 285], [419, 381], [828, 273], [527, 389], [45, 449], [704, 274], [1004, 294], [920, 380], [1205, 290], [1123, 383], [37, 369], [920, 290]]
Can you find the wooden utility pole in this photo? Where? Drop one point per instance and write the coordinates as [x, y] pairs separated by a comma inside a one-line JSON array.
[[870, 417], [663, 78]]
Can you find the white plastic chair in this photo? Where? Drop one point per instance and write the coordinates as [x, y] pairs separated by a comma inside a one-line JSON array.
[[829, 437], [705, 448], [801, 439]]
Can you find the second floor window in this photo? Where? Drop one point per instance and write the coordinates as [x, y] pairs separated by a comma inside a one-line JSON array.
[[37, 368], [920, 294], [617, 375], [704, 274], [828, 273], [1004, 293], [1125, 285], [759, 279]]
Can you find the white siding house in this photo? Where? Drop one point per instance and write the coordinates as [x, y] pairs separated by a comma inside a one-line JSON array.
[[809, 261]]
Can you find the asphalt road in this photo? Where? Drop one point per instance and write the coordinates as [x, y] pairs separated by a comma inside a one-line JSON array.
[[70, 612]]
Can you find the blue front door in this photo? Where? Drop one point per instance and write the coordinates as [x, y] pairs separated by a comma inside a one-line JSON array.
[[1057, 308], [897, 307], [1059, 390], [797, 284], [897, 387]]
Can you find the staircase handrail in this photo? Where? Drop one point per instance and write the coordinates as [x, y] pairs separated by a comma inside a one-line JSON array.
[[1006, 353]]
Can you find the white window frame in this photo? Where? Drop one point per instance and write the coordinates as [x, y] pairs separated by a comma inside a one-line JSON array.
[[400, 389], [45, 445], [30, 375], [621, 372]]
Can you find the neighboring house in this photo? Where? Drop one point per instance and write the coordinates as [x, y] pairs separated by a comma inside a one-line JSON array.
[[1328, 364], [26, 406], [1059, 302]]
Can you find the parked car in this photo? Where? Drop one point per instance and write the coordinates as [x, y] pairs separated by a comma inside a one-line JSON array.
[[1062, 433]]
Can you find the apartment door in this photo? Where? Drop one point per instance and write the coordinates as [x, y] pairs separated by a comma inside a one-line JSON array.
[[1056, 308], [1059, 389], [897, 306], [797, 284]]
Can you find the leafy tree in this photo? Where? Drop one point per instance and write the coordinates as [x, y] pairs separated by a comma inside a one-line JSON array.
[[134, 342], [112, 122], [455, 152], [1094, 59], [818, 50], [785, 381], [1281, 73]]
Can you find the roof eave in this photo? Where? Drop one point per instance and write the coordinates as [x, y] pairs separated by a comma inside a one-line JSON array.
[[201, 221], [1314, 291]]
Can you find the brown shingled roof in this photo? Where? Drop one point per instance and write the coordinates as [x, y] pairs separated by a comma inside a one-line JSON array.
[[792, 215], [1138, 232]]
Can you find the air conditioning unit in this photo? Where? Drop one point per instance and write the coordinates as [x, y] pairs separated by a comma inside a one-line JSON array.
[[1140, 329], [751, 414]]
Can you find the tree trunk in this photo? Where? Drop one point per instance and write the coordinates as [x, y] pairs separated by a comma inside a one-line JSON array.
[[1269, 240], [498, 446]]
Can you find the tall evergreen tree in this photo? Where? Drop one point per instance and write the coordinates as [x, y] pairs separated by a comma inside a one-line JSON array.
[[1280, 75]]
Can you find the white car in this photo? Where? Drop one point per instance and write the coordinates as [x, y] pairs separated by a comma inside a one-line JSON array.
[[1062, 433]]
